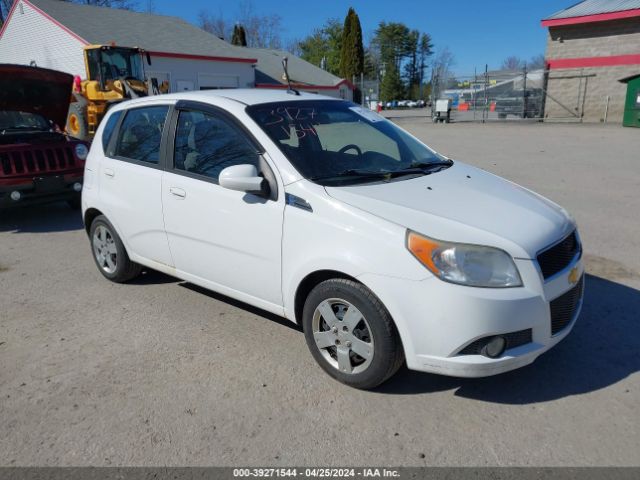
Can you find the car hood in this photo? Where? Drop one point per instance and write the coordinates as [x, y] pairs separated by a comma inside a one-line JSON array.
[[36, 90], [465, 204]]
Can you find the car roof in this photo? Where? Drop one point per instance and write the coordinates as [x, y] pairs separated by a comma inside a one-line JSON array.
[[246, 96]]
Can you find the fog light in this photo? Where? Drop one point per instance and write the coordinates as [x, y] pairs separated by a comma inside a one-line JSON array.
[[15, 195], [77, 187], [494, 347]]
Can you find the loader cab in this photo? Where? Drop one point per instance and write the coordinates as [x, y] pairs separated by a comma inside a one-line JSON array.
[[106, 64]]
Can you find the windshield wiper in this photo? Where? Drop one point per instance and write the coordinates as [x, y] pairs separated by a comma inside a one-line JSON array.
[[416, 168], [386, 175], [431, 166]]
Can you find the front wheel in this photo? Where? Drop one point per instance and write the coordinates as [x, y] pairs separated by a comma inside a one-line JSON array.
[[350, 334], [77, 121], [109, 253]]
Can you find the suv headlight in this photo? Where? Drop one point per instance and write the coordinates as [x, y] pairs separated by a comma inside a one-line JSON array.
[[472, 265], [82, 151]]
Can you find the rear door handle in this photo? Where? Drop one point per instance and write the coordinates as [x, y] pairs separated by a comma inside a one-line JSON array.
[[108, 172], [177, 192]]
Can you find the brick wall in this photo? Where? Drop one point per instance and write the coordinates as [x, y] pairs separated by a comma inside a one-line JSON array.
[[584, 91], [575, 92]]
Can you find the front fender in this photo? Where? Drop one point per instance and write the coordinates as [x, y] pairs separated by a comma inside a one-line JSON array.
[[339, 237]]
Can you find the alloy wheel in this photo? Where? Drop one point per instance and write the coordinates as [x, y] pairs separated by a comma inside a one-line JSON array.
[[343, 336], [104, 249]]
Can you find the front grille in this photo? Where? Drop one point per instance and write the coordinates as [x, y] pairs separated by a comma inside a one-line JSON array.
[[27, 161], [558, 257], [513, 339], [564, 307]]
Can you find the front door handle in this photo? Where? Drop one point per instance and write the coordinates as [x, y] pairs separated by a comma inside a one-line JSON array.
[[177, 192], [108, 172]]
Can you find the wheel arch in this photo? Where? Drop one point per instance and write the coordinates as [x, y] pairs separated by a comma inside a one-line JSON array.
[[89, 216], [308, 283]]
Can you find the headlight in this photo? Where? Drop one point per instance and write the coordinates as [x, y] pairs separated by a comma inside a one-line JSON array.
[[82, 151], [472, 265]]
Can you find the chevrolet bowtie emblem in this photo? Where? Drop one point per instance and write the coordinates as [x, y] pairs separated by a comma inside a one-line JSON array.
[[573, 275]]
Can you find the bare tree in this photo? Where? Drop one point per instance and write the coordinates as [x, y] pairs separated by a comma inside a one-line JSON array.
[[262, 31], [537, 62], [214, 24], [443, 62], [513, 63], [293, 46]]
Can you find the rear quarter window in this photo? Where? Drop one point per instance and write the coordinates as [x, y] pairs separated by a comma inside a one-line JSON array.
[[109, 127]]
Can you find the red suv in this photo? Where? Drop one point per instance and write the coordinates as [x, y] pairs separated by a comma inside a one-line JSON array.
[[38, 162]]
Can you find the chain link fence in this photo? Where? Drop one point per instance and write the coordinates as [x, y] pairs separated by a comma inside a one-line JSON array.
[[492, 95], [501, 95]]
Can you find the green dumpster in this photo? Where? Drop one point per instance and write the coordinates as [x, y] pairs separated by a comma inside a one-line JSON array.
[[632, 105]]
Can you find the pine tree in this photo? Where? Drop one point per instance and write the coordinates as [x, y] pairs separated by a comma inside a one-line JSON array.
[[391, 87], [352, 51], [239, 37]]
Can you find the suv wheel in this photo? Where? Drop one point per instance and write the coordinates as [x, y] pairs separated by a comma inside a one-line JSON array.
[[109, 252], [351, 334]]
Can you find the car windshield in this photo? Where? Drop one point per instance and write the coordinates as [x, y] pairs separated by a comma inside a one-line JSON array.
[[22, 121], [340, 143]]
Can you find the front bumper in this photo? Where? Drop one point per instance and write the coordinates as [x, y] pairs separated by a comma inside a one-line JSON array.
[[437, 320], [30, 194]]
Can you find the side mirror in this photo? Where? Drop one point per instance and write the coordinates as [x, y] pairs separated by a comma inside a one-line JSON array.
[[244, 178], [148, 58]]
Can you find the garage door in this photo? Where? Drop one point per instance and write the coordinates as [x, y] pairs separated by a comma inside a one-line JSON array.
[[208, 81]]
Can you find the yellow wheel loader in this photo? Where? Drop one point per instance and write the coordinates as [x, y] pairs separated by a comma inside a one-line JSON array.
[[113, 74]]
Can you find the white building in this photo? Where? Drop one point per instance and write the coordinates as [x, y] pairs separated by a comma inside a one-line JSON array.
[[52, 34]]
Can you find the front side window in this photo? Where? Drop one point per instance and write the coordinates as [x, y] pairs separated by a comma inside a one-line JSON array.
[[140, 134], [206, 144], [338, 143]]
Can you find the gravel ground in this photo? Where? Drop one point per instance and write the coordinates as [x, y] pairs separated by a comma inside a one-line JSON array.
[[160, 372]]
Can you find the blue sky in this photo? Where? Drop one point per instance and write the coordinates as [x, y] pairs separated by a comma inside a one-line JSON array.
[[476, 32]]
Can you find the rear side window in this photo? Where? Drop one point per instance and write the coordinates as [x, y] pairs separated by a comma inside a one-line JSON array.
[[108, 129], [140, 134]]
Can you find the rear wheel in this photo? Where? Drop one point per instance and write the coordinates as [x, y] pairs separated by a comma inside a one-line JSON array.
[[109, 253], [350, 334]]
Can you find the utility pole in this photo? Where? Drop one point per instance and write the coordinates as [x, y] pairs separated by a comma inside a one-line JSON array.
[[485, 113], [524, 91], [474, 96]]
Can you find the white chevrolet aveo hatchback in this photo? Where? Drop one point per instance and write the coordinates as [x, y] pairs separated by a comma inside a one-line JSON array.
[[318, 210]]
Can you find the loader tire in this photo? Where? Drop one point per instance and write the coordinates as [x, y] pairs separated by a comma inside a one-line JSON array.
[[77, 121]]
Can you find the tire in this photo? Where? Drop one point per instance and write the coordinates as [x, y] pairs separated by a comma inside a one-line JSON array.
[[74, 203], [358, 324], [109, 253], [77, 121]]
